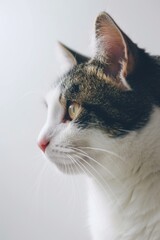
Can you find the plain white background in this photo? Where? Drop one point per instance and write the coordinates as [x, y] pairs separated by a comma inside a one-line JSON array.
[[36, 201]]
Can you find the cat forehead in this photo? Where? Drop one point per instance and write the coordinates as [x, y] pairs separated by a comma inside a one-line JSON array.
[[53, 95], [84, 83], [87, 82], [86, 75]]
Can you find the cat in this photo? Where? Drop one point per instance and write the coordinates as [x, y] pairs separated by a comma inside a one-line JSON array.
[[103, 120]]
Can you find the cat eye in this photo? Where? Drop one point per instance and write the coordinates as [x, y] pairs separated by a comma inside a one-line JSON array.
[[74, 110]]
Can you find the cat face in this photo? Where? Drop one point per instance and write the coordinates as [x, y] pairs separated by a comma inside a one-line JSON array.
[[96, 100]]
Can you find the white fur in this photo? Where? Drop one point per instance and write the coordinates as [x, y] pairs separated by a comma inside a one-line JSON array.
[[54, 117], [124, 184], [132, 210], [66, 60]]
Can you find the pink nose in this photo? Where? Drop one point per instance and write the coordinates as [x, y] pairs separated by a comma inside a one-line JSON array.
[[43, 144]]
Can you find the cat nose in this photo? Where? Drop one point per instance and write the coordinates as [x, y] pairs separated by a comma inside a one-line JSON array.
[[43, 144]]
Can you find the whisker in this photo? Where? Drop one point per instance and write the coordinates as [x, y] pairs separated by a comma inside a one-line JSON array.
[[106, 151], [125, 130], [74, 188], [100, 177], [36, 186], [83, 153], [40, 94], [87, 171], [65, 168], [72, 159], [102, 150]]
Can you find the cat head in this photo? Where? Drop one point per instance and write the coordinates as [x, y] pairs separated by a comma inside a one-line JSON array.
[[98, 100]]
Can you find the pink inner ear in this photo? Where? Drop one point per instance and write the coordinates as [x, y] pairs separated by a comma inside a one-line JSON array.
[[111, 44]]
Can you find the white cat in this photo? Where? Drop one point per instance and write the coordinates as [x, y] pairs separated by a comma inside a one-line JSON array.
[[103, 120]]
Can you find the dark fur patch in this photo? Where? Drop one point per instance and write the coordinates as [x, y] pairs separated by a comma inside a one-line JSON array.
[[107, 107]]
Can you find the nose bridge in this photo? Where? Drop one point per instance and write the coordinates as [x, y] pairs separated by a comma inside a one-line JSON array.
[[45, 134], [55, 115]]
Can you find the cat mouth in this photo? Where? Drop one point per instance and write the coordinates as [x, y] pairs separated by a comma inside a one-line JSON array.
[[67, 160], [60, 155]]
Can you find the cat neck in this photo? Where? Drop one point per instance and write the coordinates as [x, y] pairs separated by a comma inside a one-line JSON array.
[[126, 191]]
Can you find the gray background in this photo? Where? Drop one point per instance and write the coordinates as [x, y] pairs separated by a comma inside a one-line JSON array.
[[36, 201]]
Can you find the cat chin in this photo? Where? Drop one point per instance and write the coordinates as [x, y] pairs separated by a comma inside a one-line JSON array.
[[69, 169], [65, 166]]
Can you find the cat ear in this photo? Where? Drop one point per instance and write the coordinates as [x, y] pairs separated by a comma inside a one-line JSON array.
[[69, 58], [113, 48], [65, 58]]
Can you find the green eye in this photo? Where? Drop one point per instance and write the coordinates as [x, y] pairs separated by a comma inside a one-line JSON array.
[[74, 110]]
